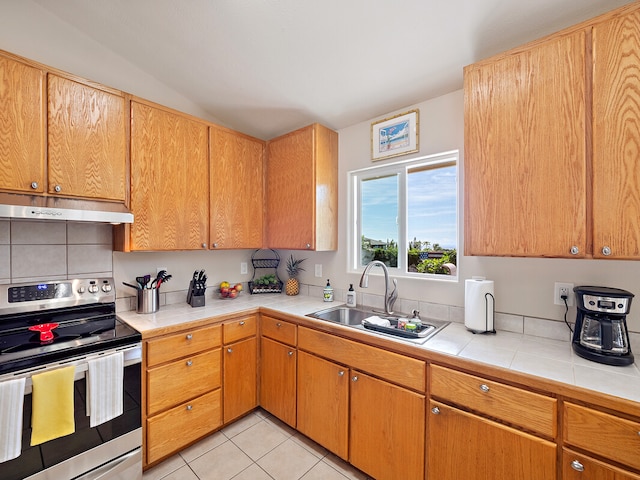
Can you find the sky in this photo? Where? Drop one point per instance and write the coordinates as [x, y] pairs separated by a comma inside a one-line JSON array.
[[432, 196]]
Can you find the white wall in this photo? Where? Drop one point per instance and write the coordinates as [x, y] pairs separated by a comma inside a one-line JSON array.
[[522, 286]]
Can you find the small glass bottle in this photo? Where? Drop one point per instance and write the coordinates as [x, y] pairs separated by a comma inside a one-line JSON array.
[[328, 292], [351, 296]]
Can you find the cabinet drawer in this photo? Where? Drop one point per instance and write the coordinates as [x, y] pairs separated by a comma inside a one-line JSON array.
[[182, 380], [239, 329], [618, 439], [405, 371], [510, 404], [168, 432], [588, 468], [279, 330], [165, 349]]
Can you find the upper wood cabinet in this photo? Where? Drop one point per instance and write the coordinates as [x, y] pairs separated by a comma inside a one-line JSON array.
[[616, 136], [525, 158], [22, 117], [86, 140], [237, 186], [302, 190], [550, 145], [169, 180]]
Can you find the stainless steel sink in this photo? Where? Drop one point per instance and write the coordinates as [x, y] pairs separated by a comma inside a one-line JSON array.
[[356, 318]]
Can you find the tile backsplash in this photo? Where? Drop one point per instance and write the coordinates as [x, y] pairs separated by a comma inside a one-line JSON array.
[[37, 250]]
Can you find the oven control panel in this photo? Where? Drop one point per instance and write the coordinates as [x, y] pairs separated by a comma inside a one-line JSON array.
[[54, 294]]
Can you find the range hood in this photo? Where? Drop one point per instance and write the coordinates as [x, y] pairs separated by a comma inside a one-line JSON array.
[[52, 208]]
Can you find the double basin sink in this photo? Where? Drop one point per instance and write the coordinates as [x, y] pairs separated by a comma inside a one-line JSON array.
[[357, 318]]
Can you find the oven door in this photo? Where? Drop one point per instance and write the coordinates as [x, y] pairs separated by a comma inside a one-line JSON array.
[[111, 450]]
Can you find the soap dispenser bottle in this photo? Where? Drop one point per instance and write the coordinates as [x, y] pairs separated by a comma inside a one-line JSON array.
[[328, 292], [351, 296]]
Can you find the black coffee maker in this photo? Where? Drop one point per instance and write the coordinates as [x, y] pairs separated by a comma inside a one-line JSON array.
[[601, 332]]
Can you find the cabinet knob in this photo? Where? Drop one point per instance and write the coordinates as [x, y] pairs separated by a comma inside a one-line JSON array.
[[215, 245], [290, 353], [204, 245], [189, 407], [189, 336], [278, 325], [606, 251], [57, 188], [354, 378], [230, 350], [577, 466], [484, 388], [308, 245], [34, 185], [341, 373], [242, 322], [574, 250], [435, 411], [189, 363]]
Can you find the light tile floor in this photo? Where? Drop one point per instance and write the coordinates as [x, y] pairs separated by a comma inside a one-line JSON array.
[[256, 447]]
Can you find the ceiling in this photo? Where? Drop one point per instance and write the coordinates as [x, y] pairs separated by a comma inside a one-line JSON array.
[[265, 67]]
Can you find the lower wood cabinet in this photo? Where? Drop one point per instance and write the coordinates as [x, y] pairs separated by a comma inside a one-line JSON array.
[[240, 378], [278, 380], [580, 467], [465, 446], [323, 403]]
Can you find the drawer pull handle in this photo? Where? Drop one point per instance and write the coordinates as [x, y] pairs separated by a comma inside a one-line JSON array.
[[242, 322], [189, 363], [230, 350], [189, 407], [435, 411], [577, 466], [189, 336], [341, 373], [290, 353], [354, 378], [484, 388], [278, 325]]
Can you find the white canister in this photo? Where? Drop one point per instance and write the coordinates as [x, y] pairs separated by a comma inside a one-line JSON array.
[[479, 305]]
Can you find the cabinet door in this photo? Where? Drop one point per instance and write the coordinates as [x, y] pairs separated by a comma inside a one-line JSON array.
[[525, 161], [581, 467], [323, 404], [240, 387], [278, 380], [291, 191], [236, 182], [462, 445], [86, 141], [21, 127], [616, 115], [387, 430], [169, 180]]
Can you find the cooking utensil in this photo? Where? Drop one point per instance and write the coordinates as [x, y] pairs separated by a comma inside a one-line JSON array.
[[45, 330], [132, 286]]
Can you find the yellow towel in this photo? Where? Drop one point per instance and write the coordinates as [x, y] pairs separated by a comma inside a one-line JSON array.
[[52, 415]]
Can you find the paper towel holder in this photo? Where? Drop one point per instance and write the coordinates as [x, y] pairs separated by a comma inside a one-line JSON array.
[[486, 313]]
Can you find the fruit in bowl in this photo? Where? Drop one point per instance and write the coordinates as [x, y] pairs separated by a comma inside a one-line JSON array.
[[230, 291]]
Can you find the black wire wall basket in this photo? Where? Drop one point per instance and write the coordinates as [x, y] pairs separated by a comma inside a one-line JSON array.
[[262, 260]]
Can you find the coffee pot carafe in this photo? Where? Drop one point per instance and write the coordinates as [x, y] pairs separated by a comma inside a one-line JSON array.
[[600, 332]]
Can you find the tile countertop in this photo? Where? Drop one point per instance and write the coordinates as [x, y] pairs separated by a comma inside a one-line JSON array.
[[542, 357]]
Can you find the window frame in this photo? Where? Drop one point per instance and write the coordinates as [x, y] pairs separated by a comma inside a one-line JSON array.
[[402, 168]]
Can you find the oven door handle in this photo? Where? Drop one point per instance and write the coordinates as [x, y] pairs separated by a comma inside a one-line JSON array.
[[118, 468]]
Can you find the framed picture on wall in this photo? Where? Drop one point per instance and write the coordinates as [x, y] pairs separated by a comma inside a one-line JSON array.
[[394, 136]]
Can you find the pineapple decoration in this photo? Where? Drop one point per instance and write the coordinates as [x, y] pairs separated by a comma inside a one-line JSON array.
[[293, 269]]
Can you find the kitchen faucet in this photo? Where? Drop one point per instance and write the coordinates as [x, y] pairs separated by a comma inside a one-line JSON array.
[[389, 298]]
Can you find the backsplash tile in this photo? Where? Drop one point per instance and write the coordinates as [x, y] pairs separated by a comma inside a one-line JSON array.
[[40, 250]]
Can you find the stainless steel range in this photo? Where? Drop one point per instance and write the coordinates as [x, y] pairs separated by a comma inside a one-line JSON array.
[[45, 326]]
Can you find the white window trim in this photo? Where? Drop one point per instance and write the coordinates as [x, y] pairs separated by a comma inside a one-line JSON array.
[[401, 167]]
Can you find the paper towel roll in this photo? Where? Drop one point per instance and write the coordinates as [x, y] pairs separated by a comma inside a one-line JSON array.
[[478, 305]]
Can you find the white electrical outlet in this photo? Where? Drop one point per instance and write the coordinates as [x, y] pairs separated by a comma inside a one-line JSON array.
[[318, 269], [561, 289], [243, 268]]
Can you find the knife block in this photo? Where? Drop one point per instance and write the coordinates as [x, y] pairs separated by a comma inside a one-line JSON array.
[[194, 300]]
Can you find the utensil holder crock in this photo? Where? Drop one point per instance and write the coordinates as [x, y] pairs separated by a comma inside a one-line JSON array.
[[148, 300]]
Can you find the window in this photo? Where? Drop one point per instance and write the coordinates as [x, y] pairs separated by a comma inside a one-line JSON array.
[[405, 214]]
